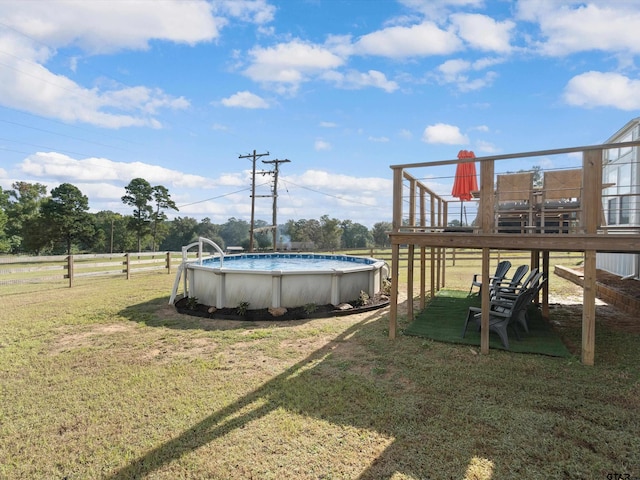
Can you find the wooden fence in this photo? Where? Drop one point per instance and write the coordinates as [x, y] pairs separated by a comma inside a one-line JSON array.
[[67, 268], [56, 268]]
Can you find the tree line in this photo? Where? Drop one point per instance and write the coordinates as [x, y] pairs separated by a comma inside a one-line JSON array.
[[34, 222]]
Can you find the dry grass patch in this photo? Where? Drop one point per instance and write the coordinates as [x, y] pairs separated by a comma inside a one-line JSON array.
[[106, 381]]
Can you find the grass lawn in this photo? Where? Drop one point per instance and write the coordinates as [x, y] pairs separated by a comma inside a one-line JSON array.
[[105, 380]]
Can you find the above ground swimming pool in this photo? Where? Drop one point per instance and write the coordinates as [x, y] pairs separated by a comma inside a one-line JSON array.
[[287, 280]]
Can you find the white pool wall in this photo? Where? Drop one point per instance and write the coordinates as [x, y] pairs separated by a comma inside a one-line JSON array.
[[226, 288]]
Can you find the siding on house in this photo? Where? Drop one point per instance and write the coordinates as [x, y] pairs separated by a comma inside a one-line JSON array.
[[621, 198]]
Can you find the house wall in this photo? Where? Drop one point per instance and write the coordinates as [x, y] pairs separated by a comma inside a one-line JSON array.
[[621, 200]]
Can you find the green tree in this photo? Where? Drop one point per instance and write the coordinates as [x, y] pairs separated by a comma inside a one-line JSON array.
[[355, 235], [22, 209], [295, 230], [113, 233], [380, 234], [162, 201], [331, 233], [37, 236], [306, 231], [182, 231], [66, 217], [5, 245], [263, 238], [235, 232], [210, 230], [139, 194]]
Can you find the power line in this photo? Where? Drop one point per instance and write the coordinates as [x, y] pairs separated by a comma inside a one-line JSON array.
[[60, 134], [213, 198], [332, 196]]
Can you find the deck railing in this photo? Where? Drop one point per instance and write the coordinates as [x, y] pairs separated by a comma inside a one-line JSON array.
[[575, 209], [592, 195]]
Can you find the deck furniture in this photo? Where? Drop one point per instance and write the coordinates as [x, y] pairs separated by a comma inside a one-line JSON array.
[[514, 202], [501, 270], [509, 285], [503, 314], [560, 200]]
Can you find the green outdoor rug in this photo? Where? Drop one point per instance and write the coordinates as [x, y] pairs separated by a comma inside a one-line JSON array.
[[444, 317]]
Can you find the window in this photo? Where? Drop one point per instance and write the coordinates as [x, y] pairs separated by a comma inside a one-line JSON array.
[[625, 210], [612, 211], [624, 178]]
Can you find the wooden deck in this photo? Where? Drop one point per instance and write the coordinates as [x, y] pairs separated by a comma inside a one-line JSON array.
[[420, 220]]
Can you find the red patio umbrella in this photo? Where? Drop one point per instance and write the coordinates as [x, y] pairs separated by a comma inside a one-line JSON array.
[[465, 180]]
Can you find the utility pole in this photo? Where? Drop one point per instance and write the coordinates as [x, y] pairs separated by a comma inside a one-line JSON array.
[[275, 196], [254, 156]]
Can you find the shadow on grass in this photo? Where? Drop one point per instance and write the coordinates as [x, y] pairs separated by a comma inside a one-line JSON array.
[[157, 313], [441, 407], [330, 393]]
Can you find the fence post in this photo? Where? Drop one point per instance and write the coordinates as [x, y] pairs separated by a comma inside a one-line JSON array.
[[128, 262], [70, 270], [169, 263]]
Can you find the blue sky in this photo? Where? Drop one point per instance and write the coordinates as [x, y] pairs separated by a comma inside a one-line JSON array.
[[97, 92]]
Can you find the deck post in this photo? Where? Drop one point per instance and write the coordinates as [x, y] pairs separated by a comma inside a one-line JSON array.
[[433, 250], [485, 295], [589, 309], [411, 250], [440, 224], [393, 310], [395, 251], [545, 285], [445, 216], [590, 211], [70, 270], [486, 226], [423, 250]]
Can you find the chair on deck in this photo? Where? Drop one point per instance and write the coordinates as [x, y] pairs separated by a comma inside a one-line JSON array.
[[514, 202], [501, 270], [560, 203]]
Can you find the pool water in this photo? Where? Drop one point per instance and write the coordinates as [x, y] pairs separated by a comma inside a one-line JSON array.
[[287, 262]]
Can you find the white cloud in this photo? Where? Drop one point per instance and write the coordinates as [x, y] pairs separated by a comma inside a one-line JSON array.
[[457, 71], [98, 27], [255, 11], [56, 166], [245, 100], [328, 125], [483, 32], [452, 69], [321, 144], [38, 30], [406, 134], [378, 139], [610, 26], [444, 133], [30, 87], [290, 64], [323, 180], [440, 8], [356, 80], [598, 89], [400, 42], [486, 147]]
